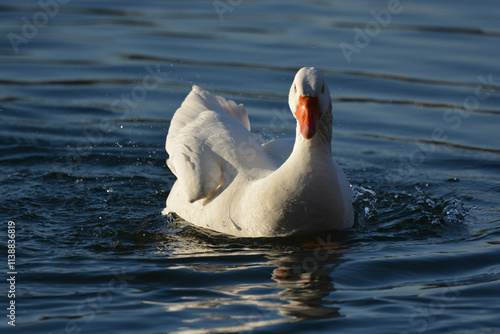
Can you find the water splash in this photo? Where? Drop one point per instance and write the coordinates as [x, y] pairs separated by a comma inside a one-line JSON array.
[[365, 203], [412, 214]]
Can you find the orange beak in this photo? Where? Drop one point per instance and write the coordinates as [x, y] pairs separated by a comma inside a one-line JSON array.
[[308, 114]]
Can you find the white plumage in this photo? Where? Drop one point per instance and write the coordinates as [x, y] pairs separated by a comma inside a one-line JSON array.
[[228, 182]]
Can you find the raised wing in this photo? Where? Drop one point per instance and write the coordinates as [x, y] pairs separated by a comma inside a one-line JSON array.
[[209, 143]]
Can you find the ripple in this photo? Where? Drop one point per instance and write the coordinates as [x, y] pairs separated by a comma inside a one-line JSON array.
[[85, 181], [407, 215]]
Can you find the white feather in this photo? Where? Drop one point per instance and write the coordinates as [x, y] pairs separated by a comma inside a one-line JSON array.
[[209, 142], [227, 181]]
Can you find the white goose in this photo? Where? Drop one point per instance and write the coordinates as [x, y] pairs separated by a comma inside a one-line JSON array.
[[228, 182]]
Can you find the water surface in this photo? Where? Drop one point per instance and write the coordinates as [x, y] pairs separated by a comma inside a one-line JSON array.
[[86, 96]]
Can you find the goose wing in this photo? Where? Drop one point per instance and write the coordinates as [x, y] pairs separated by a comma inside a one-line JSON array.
[[209, 142]]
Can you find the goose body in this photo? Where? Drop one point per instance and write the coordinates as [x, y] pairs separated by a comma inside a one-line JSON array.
[[229, 182]]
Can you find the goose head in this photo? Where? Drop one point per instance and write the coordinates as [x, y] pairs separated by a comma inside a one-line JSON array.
[[310, 101]]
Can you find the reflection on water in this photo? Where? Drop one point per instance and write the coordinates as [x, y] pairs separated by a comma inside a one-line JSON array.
[[305, 279], [295, 279], [298, 287]]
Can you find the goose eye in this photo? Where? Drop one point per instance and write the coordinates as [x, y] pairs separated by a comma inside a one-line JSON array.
[[295, 88], [323, 88]]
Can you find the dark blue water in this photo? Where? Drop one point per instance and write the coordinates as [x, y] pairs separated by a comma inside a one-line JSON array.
[[87, 89]]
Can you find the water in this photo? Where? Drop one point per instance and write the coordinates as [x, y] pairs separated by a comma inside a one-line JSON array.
[[87, 89]]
